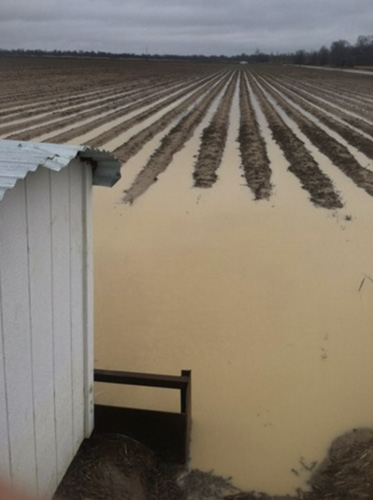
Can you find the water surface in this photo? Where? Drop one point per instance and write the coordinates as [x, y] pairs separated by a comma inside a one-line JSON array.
[[262, 300]]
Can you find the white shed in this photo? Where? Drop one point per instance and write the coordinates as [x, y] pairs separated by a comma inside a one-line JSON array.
[[46, 307]]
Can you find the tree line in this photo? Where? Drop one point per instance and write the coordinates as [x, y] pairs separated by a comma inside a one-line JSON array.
[[340, 54]]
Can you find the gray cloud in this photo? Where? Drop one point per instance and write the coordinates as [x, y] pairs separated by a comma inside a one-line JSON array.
[[181, 26]]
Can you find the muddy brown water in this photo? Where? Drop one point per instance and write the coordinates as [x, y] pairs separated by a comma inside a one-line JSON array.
[[264, 301]]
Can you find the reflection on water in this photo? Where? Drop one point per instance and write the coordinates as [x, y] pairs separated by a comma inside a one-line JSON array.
[[260, 299]]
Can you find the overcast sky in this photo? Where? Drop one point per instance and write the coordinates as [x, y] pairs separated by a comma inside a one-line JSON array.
[[182, 27]]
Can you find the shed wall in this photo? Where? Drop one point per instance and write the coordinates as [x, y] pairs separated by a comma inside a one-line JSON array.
[[45, 325]]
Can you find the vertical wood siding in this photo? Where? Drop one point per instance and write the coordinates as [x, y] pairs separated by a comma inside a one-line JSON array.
[[77, 298], [60, 217], [41, 324], [44, 330], [15, 300], [88, 304], [4, 428]]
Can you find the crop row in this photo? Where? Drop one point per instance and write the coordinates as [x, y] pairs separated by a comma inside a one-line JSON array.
[[129, 104]]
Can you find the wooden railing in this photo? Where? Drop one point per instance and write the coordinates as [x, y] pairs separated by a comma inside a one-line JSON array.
[[167, 433]]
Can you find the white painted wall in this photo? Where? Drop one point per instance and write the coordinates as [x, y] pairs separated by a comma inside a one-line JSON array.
[[46, 325]]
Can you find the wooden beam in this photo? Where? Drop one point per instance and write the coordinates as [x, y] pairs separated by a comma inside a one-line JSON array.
[[144, 379]]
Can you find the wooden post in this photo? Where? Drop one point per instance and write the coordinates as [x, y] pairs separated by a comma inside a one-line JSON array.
[[186, 408]]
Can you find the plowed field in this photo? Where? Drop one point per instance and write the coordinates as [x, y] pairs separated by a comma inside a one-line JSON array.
[[122, 106]]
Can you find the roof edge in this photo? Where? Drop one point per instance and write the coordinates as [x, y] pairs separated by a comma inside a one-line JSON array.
[[18, 158]]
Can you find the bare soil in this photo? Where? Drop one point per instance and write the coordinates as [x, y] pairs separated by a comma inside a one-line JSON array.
[[319, 100], [302, 164], [255, 162], [61, 100], [337, 152], [136, 143], [158, 106], [354, 138], [171, 144], [213, 141], [137, 100]]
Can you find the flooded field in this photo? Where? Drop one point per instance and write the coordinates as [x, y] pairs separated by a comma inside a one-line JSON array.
[[238, 244]]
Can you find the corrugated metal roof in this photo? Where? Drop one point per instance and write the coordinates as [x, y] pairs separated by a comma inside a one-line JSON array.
[[18, 158]]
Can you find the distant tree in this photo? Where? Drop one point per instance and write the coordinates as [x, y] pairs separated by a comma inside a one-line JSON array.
[[363, 50], [323, 56], [312, 58], [300, 57], [341, 54], [259, 57]]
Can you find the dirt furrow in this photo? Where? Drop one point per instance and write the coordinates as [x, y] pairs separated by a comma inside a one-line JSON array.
[[171, 144], [302, 164], [334, 80], [363, 144], [56, 105], [118, 116], [29, 80], [133, 145], [338, 98], [64, 97], [88, 100], [55, 112], [62, 78], [328, 87], [330, 147], [60, 120], [128, 124], [254, 159], [348, 91], [343, 93], [327, 106], [29, 98], [213, 141]]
